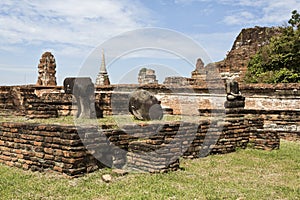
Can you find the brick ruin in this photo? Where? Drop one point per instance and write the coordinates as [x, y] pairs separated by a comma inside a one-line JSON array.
[[234, 66], [267, 114], [47, 70], [152, 148], [147, 76], [246, 44]]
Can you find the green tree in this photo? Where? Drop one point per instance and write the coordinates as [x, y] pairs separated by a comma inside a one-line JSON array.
[[295, 20], [278, 62]]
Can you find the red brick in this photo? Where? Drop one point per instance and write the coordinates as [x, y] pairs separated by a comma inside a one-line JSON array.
[[48, 157], [39, 155], [35, 143], [25, 166], [58, 152], [20, 156], [56, 168], [78, 154], [11, 164], [5, 158], [48, 139], [48, 150], [72, 160]]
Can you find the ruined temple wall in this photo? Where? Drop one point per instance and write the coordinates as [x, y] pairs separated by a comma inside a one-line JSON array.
[[189, 104], [286, 123], [43, 147], [272, 97], [279, 104], [152, 148], [144, 147], [182, 100], [258, 97], [6, 102], [245, 46]]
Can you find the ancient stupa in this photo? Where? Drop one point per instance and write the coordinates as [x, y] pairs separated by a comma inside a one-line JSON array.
[[102, 78], [46, 70], [147, 76]]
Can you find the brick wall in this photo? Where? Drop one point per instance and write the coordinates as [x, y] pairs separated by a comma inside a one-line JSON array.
[[285, 123], [5, 100], [145, 147], [152, 148], [44, 147], [276, 104], [272, 96], [258, 97]]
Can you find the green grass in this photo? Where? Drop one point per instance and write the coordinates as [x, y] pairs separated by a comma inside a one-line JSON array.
[[118, 120], [245, 174]]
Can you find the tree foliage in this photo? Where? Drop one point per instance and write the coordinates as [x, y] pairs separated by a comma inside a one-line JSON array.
[[278, 62]]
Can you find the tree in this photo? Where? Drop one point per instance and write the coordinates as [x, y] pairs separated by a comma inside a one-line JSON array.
[[278, 62], [295, 20]]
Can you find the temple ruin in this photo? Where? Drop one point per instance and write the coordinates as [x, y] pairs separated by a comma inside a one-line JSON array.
[[225, 116], [147, 76], [47, 70], [246, 44]]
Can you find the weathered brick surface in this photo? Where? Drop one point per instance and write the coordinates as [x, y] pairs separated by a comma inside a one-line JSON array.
[[114, 98], [246, 44], [284, 123], [43, 147], [153, 148]]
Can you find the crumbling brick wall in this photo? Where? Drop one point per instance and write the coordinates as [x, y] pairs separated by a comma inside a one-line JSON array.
[[246, 44], [76, 150]]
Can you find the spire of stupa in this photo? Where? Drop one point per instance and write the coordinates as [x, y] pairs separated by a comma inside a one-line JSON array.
[[102, 78], [103, 65]]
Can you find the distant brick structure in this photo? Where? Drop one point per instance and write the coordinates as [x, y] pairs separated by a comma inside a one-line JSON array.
[[147, 76], [199, 72], [200, 76], [47, 70]]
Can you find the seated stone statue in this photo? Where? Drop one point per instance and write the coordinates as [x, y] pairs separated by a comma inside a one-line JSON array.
[[233, 92], [144, 106]]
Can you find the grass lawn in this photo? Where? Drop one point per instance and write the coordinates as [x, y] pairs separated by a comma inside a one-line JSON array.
[[245, 174], [117, 120]]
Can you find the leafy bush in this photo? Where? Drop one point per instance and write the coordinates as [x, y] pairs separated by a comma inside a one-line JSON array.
[[278, 62]]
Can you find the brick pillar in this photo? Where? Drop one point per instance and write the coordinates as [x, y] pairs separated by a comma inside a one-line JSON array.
[[234, 116]]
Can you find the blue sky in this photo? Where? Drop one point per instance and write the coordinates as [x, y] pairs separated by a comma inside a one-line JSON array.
[[73, 30]]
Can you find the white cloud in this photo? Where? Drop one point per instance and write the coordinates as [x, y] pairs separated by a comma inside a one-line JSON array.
[[69, 28], [260, 12], [189, 1], [252, 3], [68, 22], [240, 17]]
